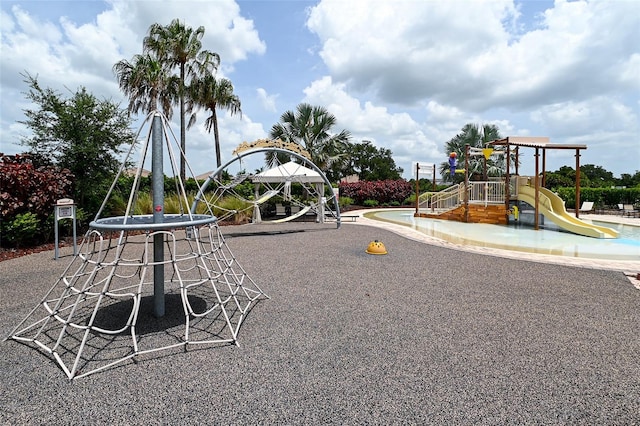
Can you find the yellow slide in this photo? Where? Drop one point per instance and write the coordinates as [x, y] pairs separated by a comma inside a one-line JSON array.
[[552, 207]]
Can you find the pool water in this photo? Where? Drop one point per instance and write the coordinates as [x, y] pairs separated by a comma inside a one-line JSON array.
[[522, 238]]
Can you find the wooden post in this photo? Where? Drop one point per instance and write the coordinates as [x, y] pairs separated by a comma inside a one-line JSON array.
[[484, 168], [507, 181], [417, 187], [433, 208], [577, 182], [466, 183], [537, 197], [544, 167], [434, 177]]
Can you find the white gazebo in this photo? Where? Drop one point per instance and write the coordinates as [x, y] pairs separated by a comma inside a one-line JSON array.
[[282, 176]]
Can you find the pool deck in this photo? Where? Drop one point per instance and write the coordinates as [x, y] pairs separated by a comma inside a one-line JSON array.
[[426, 334], [630, 268]]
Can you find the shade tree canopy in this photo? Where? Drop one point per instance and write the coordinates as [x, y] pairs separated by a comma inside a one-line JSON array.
[[80, 133]]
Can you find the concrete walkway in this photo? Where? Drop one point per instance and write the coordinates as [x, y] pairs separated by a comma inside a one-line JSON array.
[[630, 268]]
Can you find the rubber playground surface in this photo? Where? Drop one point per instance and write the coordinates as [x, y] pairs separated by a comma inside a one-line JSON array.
[[426, 334]]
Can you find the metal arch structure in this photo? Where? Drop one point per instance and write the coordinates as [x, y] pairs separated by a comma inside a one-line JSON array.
[[240, 155]]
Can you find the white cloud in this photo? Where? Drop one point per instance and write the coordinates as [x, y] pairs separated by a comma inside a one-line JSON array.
[[405, 74], [267, 101], [601, 114], [571, 73], [398, 132], [466, 56], [65, 54]]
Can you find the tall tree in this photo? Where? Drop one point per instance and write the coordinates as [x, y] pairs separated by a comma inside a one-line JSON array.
[[210, 93], [80, 133], [148, 84], [310, 126], [371, 163], [476, 136], [177, 45]]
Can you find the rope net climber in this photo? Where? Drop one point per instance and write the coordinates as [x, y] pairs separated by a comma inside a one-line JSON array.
[[142, 284]]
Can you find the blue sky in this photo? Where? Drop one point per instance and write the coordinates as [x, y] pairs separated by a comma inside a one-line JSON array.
[[406, 74]]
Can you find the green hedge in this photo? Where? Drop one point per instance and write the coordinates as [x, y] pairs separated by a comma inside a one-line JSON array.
[[601, 197]]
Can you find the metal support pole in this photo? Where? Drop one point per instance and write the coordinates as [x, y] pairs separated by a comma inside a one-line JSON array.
[[158, 216], [75, 237], [55, 220]]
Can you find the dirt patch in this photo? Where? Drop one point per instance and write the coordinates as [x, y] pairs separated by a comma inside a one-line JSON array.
[[12, 253]]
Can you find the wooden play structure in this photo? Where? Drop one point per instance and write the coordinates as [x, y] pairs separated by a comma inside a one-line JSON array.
[[507, 198]]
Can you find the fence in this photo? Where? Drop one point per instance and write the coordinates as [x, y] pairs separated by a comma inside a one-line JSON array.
[[491, 192]]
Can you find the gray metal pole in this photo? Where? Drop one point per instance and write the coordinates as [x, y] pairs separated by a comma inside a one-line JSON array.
[[55, 219], [158, 215], [75, 238]]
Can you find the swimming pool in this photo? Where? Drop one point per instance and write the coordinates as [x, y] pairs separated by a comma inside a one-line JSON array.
[[522, 238]]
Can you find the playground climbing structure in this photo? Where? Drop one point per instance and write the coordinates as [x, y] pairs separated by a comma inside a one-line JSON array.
[[142, 283]]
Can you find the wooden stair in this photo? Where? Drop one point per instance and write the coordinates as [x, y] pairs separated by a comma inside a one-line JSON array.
[[478, 213]]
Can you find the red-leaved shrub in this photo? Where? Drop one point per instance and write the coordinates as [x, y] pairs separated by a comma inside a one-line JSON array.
[[23, 188], [383, 191]]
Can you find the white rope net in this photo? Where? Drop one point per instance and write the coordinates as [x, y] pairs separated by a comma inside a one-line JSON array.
[[138, 286], [99, 313]]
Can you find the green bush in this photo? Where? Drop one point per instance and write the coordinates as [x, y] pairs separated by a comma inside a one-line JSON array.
[[21, 230], [601, 197], [410, 200], [370, 203], [242, 215], [66, 225], [144, 204], [345, 202]]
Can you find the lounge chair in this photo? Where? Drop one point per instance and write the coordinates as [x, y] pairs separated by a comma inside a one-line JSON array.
[[586, 207], [628, 210]]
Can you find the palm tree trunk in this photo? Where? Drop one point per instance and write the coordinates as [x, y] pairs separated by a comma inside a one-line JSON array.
[[216, 137]]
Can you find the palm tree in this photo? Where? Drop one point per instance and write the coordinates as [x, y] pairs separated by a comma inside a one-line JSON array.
[[210, 93], [177, 45], [476, 136], [147, 83], [310, 127]]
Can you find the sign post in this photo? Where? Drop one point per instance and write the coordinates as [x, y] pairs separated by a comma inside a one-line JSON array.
[[65, 209]]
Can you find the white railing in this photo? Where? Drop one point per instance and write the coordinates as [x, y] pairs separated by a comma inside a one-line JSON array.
[[449, 198], [424, 199], [491, 192], [486, 192]]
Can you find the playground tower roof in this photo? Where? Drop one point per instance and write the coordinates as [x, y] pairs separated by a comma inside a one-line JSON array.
[[534, 142]]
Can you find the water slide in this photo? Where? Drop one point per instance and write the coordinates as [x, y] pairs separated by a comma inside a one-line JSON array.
[[552, 207]]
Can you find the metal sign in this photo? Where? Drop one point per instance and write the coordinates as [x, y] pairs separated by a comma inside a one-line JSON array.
[[65, 209]]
